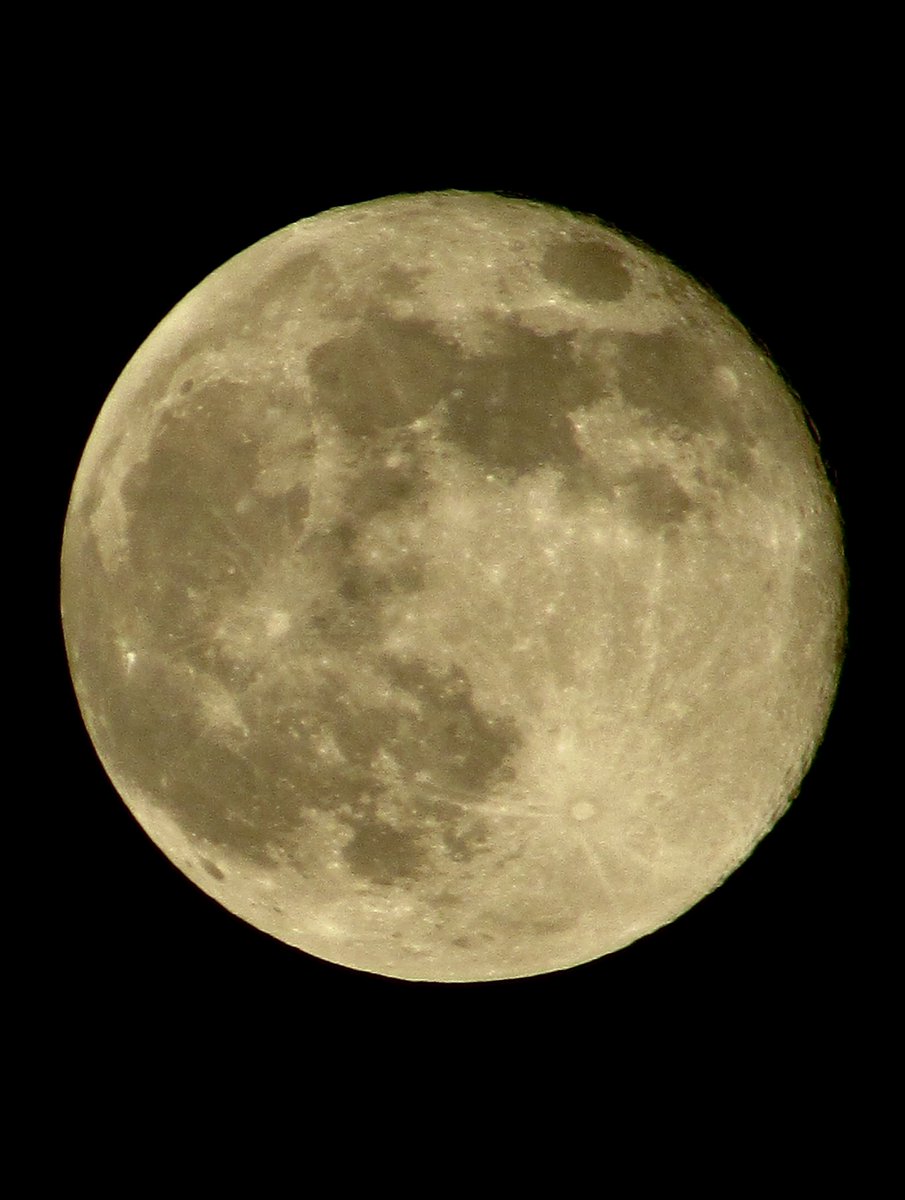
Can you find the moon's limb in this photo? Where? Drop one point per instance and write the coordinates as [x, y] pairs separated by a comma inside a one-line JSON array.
[[452, 589]]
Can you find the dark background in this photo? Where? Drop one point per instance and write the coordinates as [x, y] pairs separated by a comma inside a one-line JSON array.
[[772, 966]]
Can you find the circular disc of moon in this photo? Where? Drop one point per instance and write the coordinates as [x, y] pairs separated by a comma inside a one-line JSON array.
[[452, 588]]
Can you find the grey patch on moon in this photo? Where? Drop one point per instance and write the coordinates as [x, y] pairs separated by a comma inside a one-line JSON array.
[[384, 855], [656, 497], [364, 583], [510, 406], [670, 377], [433, 745], [350, 616], [395, 283], [476, 745], [350, 612], [181, 502], [391, 477], [506, 406], [277, 296], [736, 456], [653, 497], [591, 269], [382, 373], [428, 729]]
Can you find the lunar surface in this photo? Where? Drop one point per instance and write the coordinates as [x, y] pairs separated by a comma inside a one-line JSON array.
[[452, 588]]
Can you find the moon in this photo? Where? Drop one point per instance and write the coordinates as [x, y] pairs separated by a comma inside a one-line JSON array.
[[452, 588]]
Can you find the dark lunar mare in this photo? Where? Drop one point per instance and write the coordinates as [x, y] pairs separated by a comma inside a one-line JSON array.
[[192, 549], [589, 268]]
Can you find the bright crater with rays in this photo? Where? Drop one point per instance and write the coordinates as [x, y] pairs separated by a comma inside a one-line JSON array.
[[452, 588]]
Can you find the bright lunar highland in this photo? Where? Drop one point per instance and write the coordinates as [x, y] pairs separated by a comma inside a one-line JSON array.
[[452, 589]]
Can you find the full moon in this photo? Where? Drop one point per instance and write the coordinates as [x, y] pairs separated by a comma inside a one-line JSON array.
[[452, 588]]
